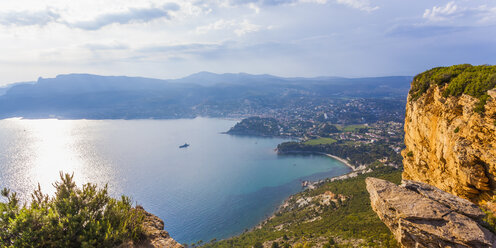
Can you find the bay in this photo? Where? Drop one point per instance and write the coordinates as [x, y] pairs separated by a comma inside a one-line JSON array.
[[216, 188]]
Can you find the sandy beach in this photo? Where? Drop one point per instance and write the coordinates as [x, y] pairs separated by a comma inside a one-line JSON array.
[[342, 160]]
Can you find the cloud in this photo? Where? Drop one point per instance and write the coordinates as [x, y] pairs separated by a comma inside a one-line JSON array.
[[487, 14], [106, 46], [218, 25], [142, 15], [44, 17], [240, 28], [26, 18], [246, 27], [447, 19], [313, 1], [209, 51], [261, 2], [439, 13], [364, 5], [423, 30], [273, 2], [451, 12], [190, 48]]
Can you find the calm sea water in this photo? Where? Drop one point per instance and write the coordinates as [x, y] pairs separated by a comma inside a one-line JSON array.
[[216, 188]]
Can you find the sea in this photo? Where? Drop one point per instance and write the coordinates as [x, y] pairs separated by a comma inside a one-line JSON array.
[[219, 186]]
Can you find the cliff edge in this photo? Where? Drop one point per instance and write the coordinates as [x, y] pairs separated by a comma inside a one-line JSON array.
[[450, 154], [420, 215], [155, 235], [450, 131]]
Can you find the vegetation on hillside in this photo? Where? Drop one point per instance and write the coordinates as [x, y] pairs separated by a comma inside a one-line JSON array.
[[320, 141], [489, 208], [325, 129], [353, 128], [344, 223], [460, 79], [256, 126], [74, 217]]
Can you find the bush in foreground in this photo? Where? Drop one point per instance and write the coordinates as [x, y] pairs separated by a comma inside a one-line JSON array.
[[74, 217]]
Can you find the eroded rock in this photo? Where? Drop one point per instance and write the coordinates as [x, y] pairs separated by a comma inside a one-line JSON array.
[[155, 235], [420, 215]]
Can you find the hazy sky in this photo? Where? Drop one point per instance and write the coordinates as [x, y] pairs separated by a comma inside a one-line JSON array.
[[168, 39]]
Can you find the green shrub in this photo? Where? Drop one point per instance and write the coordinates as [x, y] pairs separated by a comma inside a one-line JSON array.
[[457, 129], [74, 217], [304, 245], [258, 245], [489, 220], [410, 154], [460, 79]]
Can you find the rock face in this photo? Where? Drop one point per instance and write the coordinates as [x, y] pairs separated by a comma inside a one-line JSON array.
[[450, 146], [420, 215], [155, 235]]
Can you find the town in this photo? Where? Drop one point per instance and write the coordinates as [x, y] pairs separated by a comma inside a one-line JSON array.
[[362, 131]]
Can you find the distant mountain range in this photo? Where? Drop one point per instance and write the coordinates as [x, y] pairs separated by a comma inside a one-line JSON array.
[[108, 97]]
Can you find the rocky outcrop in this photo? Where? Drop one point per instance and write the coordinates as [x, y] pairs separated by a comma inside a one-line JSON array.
[[155, 235], [450, 146], [420, 215], [257, 126]]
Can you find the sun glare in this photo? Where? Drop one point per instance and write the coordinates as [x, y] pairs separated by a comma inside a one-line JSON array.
[[54, 150]]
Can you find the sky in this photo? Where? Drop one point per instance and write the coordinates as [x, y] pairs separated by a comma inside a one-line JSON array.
[[172, 39]]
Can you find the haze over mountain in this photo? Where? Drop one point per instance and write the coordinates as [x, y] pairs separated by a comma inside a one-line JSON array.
[[93, 96]]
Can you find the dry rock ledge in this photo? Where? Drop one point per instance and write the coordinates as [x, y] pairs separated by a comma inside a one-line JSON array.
[[421, 215], [155, 235]]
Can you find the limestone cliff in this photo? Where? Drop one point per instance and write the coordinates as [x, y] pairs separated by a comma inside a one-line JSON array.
[[450, 138], [449, 144], [420, 215]]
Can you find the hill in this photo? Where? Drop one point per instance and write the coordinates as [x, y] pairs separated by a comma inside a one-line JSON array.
[[202, 94]]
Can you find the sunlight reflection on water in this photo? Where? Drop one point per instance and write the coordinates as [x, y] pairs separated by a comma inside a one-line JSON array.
[[44, 148]]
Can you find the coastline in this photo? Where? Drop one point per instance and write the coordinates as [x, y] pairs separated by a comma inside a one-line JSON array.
[[355, 171], [342, 160]]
